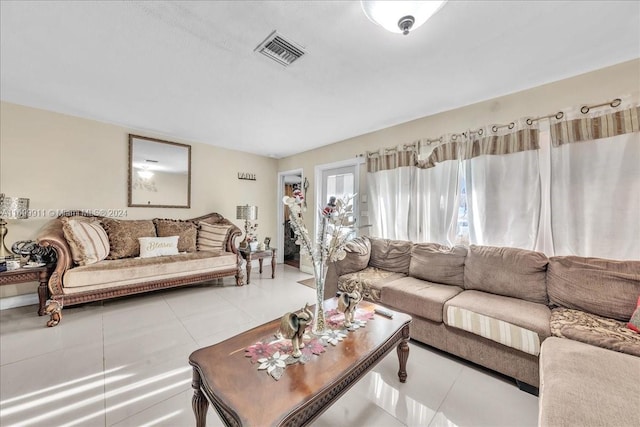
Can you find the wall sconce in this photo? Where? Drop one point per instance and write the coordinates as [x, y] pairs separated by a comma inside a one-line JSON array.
[[248, 213], [10, 208]]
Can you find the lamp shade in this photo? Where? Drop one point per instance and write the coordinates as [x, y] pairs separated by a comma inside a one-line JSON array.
[[14, 207], [400, 16], [247, 212]]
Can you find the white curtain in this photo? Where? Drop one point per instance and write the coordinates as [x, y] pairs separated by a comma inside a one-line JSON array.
[[412, 199], [595, 185], [502, 178], [390, 202], [436, 198], [503, 198]]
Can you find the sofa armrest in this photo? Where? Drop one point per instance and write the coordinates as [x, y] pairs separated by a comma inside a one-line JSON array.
[[215, 218], [51, 235], [358, 255]]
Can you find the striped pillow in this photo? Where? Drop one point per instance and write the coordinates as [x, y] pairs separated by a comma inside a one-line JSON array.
[[88, 241], [212, 237]]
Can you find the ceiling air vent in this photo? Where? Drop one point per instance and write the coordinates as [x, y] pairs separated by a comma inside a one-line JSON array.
[[280, 49]]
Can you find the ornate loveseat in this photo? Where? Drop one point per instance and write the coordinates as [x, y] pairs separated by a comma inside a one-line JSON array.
[[119, 270]]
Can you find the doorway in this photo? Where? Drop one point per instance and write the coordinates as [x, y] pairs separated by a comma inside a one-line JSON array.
[[338, 180], [288, 252]]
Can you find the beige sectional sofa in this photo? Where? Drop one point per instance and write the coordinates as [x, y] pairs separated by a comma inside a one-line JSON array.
[[498, 306], [126, 273]]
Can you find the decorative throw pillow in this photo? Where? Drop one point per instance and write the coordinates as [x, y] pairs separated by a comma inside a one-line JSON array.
[[158, 246], [212, 237], [124, 234], [634, 322], [88, 241], [187, 232]]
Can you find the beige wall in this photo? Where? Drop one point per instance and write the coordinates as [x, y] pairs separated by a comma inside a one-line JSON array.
[[594, 87], [64, 162]]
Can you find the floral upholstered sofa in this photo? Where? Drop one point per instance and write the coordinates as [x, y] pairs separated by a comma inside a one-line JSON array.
[[546, 322], [100, 258]]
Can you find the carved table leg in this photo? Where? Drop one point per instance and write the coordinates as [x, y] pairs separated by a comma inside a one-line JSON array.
[[403, 354], [273, 264], [43, 292], [199, 402], [248, 268], [260, 262]]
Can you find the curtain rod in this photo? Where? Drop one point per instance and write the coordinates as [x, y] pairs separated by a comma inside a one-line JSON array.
[[559, 115]]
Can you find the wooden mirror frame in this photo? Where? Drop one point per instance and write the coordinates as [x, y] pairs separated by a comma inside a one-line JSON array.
[[130, 175]]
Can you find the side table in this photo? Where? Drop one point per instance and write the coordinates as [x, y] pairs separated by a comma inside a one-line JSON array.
[[24, 275], [249, 255]]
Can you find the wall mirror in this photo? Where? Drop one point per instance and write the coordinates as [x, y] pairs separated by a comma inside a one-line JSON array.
[[159, 173]]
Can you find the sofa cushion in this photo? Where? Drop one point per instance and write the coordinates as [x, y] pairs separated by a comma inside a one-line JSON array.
[[513, 322], [123, 272], [418, 297], [358, 253], [212, 237], [124, 234], [158, 246], [595, 330], [437, 263], [371, 280], [585, 385], [511, 272], [390, 255], [600, 286], [187, 232], [87, 240]]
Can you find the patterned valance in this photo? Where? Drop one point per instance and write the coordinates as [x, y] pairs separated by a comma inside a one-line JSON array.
[[500, 140], [590, 128], [391, 158], [443, 152]]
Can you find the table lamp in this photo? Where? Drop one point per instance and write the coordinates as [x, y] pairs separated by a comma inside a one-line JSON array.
[[10, 208], [248, 213]]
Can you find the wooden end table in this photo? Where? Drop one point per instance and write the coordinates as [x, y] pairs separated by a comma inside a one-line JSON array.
[[249, 255], [24, 275], [244, 396]]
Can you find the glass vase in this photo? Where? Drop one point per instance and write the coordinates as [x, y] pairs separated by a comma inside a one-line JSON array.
[[319, 324]]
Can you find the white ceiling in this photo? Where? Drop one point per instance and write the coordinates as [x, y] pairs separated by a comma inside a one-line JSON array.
[[187, 70]]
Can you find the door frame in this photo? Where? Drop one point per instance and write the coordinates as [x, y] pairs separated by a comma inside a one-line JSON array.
[[280, 214], [357, 161]]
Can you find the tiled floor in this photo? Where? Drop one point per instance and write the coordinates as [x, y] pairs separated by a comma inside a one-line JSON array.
[[124, 363]]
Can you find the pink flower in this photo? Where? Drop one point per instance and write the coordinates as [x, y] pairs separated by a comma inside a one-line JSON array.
[[313, 347], [258, 351]]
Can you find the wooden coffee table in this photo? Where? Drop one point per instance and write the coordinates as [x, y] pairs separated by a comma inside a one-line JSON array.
[[244, 396]]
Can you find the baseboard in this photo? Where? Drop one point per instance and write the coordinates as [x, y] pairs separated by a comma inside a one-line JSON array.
[[18, 301]]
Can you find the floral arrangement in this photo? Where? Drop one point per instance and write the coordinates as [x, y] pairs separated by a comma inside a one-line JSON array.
[[335, 230]]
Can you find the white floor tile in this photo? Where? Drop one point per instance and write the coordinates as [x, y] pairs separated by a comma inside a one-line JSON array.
[[172, 412], [55, 388], [478, 398]]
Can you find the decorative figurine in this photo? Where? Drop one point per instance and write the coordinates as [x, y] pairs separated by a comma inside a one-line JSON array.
[[54, 309], [292, 326], [347, 303]]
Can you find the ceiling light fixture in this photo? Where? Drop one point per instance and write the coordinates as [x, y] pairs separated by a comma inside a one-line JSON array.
[[400, 16]]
